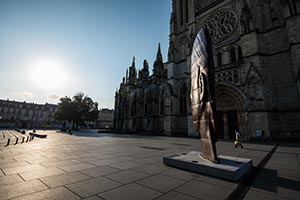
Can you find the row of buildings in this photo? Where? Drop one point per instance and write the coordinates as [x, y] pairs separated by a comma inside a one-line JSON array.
[[27, 115], [14, 114], [256, 46]]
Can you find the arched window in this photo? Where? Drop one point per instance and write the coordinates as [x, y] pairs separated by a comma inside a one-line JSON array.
[[183, 99], [186, 11], [146, 109], [240, 54], [233, 55], [219, 58], [162, 104], [133, 108], [235, 77], [181, 13], [148, 102]]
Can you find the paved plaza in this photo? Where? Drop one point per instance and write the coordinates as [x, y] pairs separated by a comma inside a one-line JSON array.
[[113, 166]]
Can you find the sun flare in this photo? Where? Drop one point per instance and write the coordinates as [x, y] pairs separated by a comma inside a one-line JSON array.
[[48, 74]]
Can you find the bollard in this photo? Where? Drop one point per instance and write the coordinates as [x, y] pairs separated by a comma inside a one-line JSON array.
[[8, 141], [23, 139], [17, 139]]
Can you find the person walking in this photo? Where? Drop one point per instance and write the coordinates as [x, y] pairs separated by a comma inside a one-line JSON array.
[[237, 141]]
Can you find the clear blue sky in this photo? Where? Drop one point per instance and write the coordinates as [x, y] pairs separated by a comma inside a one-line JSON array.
[[87, 43]]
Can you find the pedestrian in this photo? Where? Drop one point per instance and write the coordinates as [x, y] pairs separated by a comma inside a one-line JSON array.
[[237, 141]]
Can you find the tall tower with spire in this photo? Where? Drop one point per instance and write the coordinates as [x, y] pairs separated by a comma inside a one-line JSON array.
[[132, 73], [159, 71]]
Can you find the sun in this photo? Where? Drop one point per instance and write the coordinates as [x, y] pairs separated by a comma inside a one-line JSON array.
[[48, 74]]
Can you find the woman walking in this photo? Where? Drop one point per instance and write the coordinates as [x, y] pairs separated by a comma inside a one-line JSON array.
[[237, 141]]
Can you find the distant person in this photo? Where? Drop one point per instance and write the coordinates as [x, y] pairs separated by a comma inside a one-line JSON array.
[[237, 141]]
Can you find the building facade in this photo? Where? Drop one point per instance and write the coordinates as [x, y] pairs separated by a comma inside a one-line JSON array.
[[256, 48], [15, 114], [105, 118]]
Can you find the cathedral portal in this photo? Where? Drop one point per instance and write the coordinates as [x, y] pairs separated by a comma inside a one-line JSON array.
[[231, 114]]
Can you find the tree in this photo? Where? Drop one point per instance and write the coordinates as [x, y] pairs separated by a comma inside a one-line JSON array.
[[79, 110]]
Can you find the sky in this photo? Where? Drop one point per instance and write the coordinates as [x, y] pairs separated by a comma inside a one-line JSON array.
[[55, 48]]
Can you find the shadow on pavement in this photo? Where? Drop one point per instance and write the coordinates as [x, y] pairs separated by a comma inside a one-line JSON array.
[[268, 180], [115, 135]]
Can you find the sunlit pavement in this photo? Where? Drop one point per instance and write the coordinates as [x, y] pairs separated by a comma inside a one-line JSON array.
[[112, 166]]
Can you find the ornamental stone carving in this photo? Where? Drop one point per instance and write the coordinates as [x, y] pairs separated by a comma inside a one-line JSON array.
[[221, 25]]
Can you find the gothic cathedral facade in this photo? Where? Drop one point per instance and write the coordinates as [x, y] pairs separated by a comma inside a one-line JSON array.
[[256, 46]]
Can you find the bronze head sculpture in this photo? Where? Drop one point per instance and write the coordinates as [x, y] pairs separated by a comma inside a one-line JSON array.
[[202, 94]]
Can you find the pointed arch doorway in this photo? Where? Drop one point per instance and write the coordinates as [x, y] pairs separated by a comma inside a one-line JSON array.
[[230, 111]]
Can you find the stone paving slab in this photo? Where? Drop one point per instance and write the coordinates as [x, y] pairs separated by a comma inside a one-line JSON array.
[[218, 182], [144, 161], [132, 191], [104, 162], [204, 190], [180, 174], [93, 198], [175, 196], [76, 167], [20, 189], [127, 176], [40, 173], [59, 163], [64, 179], [130, 167], [152, 169], [10, 179], [161, 183], [19, 169], [99, 171], [124, 165], [13, 164], [53, 194], [254, 195], [92, 186], [34, 160]]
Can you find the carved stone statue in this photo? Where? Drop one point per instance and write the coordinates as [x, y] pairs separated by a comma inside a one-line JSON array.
[[246, 19], [202, 94]]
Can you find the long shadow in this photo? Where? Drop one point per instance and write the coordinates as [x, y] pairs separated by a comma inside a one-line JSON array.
[[268, 180], [261, 150], [267, 143], [114, 135]]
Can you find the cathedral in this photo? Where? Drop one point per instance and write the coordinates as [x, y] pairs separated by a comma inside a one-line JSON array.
[[256, 47]]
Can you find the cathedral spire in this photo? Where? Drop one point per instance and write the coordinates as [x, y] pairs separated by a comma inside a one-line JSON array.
[[145, 65], [132, 73], [158, 66], [159, 55], [133, 62]]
